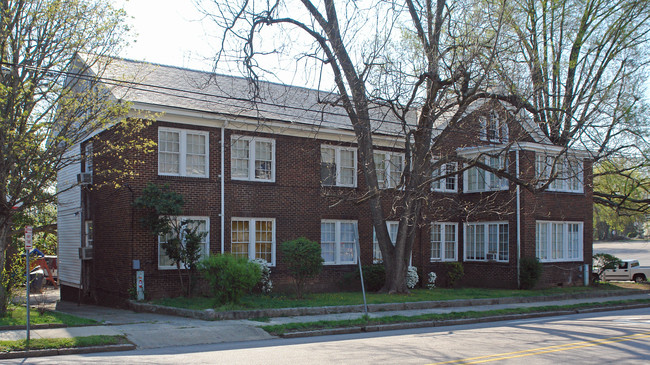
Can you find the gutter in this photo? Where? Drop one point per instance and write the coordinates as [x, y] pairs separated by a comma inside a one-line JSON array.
[[222, 178], [518, 220]]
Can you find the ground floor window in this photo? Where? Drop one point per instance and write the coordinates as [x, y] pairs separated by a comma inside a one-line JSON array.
[[486, 241], [392, 233], [337, 241], [444, 241], [253, 238], [559, 241], [202, 225]]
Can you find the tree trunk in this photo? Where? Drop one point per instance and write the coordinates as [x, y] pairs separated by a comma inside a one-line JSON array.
[[5, 239]]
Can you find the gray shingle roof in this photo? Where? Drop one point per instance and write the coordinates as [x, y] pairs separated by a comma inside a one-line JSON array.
[[152, 84]]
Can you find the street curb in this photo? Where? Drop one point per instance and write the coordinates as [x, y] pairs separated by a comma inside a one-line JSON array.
[[35, 326], [456, 322], [66, 351], [211, 315]]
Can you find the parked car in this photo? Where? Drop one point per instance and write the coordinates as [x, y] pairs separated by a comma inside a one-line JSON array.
[[628, 270]]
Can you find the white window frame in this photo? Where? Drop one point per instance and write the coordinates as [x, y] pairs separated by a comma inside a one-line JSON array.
[[392, 227], [568, 180], [182, 152], [252, 145], [471, 227], [337, 241], [501, 131], [337, 162], [444, 226], [88, 158], [491, 182], [437, 184], [206, 243], [389, 168], [251, 236], [546, 249], [89, 233]]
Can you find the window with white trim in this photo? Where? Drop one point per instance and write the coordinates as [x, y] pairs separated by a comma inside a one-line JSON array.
[[493, 128], [389, 167], [252, 158], [392, 234], [253, 238], [337, 239], [338, 166], [88, 158], [487, 241], [559, 241], [444, 241], [201, 224], [182, 152], [89, 233], [568, 172], [477, 179], [445, 184]]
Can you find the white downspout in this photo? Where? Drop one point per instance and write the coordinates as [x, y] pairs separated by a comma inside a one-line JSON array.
[[518, 220], [222, 176]]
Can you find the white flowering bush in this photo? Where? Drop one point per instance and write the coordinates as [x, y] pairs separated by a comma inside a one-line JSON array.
[[431, 280], [412, 277], [265, 284]]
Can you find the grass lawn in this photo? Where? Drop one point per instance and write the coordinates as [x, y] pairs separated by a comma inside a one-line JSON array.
[[354, 298], [61, 343], [16, 316], [367, 321]]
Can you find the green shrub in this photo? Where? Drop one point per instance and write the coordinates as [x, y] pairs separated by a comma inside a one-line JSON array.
[[530, 272], [303, 260], [374, 276], [455, 271], [229, 277]]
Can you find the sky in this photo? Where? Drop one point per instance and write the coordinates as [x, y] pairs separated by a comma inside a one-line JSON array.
[[168, 32]]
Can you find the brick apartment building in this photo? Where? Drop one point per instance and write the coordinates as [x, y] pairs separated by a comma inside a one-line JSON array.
[[256, 175]]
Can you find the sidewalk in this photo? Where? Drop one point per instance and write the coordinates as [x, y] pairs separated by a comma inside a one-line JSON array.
[[149, 330]]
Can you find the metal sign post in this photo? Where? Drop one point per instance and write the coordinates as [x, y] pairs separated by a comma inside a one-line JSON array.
[[28, 248]]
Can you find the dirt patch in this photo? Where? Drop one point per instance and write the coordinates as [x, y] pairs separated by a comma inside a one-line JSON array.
[[631, 285]]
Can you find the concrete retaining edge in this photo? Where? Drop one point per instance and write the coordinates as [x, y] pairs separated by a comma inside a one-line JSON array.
[[211, 315], [66, 351], [456, 322]]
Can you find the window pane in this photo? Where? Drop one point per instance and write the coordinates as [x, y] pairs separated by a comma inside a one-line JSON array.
[[450, 182], [493, 238], [396, 168], [328, 166], [347, 242], [503, 242], [480, 242], [347, 167], [240, 157], [263, 240], [436, 236], [240, 238], [470, 242], [168, 152], [392, 231], [380, 167], [196, 154], [263, 160], [328, 240]]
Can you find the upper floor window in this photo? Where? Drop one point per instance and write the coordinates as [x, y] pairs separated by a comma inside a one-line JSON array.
[[337, 240], [568, 173], [476, 179], [88, 158], [493, 128], [486, 242], [253, 238], [338, 166], [182, 152], [559, 241], [252, 158], [200, 224], [389, 167], [445, 184], [444, 241]]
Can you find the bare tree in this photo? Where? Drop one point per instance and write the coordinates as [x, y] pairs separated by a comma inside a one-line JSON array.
[[578, 68], [454, 45]]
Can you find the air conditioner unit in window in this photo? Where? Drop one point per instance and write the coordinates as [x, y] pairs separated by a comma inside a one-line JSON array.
[[492, 256], [86, 253], [85, 178]]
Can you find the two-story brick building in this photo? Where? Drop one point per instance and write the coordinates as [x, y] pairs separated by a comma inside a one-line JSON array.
[[254, 175]]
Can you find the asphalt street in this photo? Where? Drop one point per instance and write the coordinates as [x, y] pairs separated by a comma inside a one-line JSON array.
[[621, 337]]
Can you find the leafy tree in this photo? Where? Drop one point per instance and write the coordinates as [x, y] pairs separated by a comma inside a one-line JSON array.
[[46, 110], [182, 241], [531, 272], [602, 262], [304, 261]]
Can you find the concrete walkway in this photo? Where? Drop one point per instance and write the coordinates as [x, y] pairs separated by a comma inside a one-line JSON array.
[[147, 330]]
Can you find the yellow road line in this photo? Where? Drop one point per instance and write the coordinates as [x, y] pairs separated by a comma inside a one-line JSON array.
[[544, 350]]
